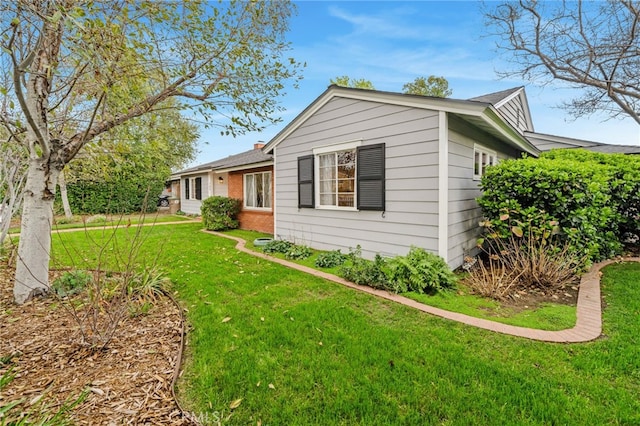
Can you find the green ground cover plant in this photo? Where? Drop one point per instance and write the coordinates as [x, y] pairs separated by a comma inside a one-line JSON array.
[[283, 347]]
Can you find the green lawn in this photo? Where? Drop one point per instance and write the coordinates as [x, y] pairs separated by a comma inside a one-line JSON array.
[[549, 316], [298, 350], [112, 220]]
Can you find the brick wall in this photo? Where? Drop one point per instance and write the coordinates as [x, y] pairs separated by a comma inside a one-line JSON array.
[[255, 220]]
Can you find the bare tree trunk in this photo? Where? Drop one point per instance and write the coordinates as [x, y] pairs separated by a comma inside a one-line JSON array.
[[12, 176], [62, 183], [32, 269]]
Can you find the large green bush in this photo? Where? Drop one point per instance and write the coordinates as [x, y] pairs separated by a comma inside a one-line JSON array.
[[587, 200], [220, 213]]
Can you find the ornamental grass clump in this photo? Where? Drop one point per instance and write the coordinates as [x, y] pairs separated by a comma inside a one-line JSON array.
[[533, 256]]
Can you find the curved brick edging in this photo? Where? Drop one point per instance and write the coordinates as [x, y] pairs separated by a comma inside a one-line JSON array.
[[588, 316]]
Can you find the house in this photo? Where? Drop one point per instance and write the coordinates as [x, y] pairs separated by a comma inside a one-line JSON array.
[[247, 176], [388, 171]]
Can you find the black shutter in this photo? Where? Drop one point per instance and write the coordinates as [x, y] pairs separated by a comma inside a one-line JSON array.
[[186, 189], [198, 188], [370, 180], [305, 182]]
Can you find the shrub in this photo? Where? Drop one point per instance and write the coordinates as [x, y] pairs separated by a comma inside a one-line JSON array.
[[71, 282], [296, 252], [220, 213], [591, 199], [277, 246], [421, 272], [330, 259], [366, 272]]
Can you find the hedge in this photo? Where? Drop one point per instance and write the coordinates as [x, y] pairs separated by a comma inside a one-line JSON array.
[[120, 196], [592, 199]]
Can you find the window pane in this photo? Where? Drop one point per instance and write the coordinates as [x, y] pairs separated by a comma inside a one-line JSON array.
[[267, 190], [345, 200], [327, 186], [476, 163], [327, 160], [259, 191], [249, 197], [346, 185], [348, 171], [347, 157], [327, 199]]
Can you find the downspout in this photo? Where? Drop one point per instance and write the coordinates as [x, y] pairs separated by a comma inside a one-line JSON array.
[[443, 185], [274, 195]]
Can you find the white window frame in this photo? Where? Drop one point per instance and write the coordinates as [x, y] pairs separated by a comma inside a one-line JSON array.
[[479, 167], [317, 152], [244, 182]]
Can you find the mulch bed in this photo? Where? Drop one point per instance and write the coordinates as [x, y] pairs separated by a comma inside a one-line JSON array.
[[128, 382]]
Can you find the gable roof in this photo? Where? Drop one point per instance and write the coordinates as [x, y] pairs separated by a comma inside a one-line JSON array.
[[480, 114], [511, 103], [497, 98], [244, 160]]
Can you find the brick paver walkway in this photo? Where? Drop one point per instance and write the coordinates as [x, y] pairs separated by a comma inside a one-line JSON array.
[[589, 309]]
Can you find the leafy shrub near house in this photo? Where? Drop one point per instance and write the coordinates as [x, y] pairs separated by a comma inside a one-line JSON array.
[[277, 246], [297, 252], [583, 199], [220, 213], [421, 272], [418, 271], [330, 259], [366, 272]]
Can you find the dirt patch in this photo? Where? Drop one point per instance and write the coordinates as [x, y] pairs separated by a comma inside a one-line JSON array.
[[129, 382]]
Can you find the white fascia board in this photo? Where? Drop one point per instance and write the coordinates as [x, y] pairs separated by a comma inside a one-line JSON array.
[[562, 139], [245, 167], [192, 173]]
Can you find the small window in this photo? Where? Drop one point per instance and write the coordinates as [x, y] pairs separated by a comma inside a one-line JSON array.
[[482, 158], [337, 179], [193, 188], [257, 190]]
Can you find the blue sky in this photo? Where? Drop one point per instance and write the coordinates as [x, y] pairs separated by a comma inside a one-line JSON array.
[[392, 43]]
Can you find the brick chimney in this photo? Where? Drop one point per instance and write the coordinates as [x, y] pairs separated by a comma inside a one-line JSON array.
[[258, 145]]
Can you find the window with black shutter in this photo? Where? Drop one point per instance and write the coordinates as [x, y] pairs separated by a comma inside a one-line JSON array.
[[186, 189], [198, 186], [305, 182], [371, 177]]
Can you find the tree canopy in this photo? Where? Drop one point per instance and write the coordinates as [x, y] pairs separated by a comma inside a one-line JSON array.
[[431, 86], [358, 83], [73, 70], [593, 46]]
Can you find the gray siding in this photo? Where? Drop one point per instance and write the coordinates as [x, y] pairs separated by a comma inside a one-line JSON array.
[[411, 216], [463, 210], [513, 112], [193, 206]]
